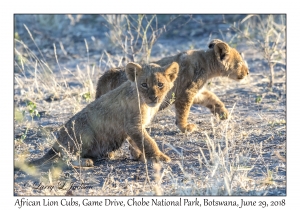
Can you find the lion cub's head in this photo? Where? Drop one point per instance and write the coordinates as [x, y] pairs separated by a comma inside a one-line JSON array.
[[153, 81], [234, 65]]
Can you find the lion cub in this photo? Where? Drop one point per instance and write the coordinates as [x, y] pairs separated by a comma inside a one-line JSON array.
[[103, 125], [196, 68]]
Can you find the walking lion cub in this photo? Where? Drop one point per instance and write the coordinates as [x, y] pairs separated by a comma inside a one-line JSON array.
[[103, 125], [196, 68]]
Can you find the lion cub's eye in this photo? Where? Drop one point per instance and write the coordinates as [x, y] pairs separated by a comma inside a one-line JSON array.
[[160, 85], [144, 85]]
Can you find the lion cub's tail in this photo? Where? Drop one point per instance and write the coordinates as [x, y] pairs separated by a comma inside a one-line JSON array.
[[48, 157]]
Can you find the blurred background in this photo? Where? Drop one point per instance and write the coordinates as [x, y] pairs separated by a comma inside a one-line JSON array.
[[125, 37]]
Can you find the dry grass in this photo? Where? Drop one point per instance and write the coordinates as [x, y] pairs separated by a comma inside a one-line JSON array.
[[245, 155], [267, 33]]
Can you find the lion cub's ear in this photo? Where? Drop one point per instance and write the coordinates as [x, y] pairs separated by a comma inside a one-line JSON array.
[[222, 51], [213, 43], [172, 71], [132, 71]]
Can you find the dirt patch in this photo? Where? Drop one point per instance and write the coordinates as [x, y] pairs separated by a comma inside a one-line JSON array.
[[249, 148]]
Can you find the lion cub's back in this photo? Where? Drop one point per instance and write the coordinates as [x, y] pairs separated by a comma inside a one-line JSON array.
[[110, 80]]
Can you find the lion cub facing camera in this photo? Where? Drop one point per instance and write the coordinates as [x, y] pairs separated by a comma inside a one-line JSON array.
[[103, 125]]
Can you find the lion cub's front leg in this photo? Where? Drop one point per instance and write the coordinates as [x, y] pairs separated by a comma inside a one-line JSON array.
[[141, 141], [135, 152], [212, 102], [182, 107]]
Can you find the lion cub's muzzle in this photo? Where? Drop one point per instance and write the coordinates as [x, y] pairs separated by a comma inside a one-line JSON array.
[[153, 98], [152, 101], [246, 68], [243, 73]]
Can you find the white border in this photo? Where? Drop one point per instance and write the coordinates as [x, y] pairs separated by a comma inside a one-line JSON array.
[[153, 6]]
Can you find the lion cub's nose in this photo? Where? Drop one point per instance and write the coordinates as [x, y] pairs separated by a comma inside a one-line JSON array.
[[153, 98]]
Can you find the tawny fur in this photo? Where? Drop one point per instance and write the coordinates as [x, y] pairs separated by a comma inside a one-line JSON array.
[[103, 125], [196, 68]]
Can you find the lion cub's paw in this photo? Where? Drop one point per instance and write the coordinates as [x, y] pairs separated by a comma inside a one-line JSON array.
[[159, 158], [163, 157], [111, 155], [223, 114], [88, 162], [156, 158], [136, 154], [189, 128], [84, 162]]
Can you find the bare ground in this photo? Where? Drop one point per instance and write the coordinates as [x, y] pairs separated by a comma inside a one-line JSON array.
[[245, 155]]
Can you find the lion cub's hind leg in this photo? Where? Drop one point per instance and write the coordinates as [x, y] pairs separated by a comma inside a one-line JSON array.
[[75, 146], [212, 102], [73, 158]]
